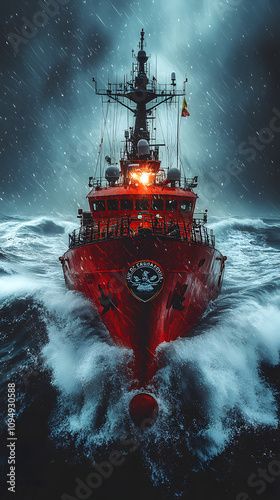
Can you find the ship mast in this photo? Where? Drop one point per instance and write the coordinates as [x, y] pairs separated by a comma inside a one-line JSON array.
[[140, 91], [141, 82]]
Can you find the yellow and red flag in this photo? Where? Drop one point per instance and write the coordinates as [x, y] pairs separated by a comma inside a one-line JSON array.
[[185, 108]]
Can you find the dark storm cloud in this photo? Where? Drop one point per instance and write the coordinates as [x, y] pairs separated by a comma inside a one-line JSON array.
[[40, 97], [51, 118]]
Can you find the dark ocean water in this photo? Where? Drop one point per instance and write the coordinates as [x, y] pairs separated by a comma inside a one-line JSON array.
[[218, 391]]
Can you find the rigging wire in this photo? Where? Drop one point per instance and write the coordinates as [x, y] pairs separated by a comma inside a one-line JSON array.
[[182, 169], [113, 126], [178, 133], [163, 135], [117, 128], [171, 127], [102, 139], [109, 132], [167, 135]]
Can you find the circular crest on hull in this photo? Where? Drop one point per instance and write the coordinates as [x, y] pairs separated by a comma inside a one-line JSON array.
[[144, 280]]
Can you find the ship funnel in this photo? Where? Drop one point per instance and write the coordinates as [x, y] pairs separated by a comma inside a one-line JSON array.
[[143, 148], [143, 409], [112, 175]]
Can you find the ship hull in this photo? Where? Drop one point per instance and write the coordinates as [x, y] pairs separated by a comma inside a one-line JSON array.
[[191, 278]]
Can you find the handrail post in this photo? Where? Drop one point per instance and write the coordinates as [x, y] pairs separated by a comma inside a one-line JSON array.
[[184, 222], [108, 224], [207, 237]]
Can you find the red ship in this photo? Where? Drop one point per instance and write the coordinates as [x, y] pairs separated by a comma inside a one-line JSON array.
[[141, 255]]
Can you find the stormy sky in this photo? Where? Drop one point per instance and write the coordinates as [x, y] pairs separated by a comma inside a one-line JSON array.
[[51, 120]]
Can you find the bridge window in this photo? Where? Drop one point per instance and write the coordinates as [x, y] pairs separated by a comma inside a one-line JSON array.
[[171, 205], [157, 204], [142, 204], [98, 205], [126, 204], [112, 204], [185, 206]]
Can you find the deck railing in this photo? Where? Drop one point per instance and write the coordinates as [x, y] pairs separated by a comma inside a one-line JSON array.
[[147, 226]]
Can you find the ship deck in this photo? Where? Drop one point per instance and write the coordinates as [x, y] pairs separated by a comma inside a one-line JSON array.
[[148, 225]]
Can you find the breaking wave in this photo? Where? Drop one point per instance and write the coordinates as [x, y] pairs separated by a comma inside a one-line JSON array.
[[210, 387]]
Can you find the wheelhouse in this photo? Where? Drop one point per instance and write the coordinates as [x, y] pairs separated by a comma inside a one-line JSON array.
[[179, 206]]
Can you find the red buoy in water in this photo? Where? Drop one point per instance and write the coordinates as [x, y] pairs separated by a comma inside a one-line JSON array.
[[143, 410]]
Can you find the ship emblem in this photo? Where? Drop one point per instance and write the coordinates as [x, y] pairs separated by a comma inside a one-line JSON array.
[[144, 280]]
